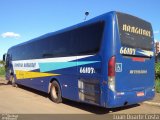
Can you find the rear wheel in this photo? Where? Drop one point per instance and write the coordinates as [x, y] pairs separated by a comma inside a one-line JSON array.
[[55, 92]]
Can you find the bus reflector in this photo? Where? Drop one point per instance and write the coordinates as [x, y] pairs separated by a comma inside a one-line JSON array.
[[111, 67], [138, 59]]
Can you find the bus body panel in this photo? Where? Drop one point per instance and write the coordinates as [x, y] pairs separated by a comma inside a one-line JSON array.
[[134, 75], [107, 51], [128, 98], [137, 71]]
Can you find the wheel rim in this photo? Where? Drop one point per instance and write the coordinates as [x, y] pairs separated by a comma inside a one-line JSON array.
[[55, 92]]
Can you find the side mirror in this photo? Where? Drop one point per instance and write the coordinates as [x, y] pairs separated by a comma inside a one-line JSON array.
[[4, 57]]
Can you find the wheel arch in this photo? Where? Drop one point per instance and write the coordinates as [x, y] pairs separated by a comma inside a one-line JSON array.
[[12, 73]]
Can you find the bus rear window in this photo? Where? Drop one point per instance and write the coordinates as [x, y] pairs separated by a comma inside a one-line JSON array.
[[135, 32]]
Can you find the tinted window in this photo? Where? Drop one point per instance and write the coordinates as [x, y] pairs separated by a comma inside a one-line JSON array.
[[135, 32], [87, 40], [80, 41], [61, 45], [16, 53]]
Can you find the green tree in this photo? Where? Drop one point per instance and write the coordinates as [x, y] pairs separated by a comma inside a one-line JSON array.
[[2, 63]]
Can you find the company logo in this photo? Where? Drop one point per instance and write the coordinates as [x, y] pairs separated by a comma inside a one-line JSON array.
[[136, 30], [138, 71]]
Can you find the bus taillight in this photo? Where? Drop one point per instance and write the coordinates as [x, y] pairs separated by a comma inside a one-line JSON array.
[[111, 73], [111, 67]]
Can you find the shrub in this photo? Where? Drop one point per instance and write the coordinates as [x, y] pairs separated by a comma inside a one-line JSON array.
[[157, 70], [157, 85], [157, 81], [2, 71]]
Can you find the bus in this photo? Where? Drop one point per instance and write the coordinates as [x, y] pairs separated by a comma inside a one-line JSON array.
[[106, 61]]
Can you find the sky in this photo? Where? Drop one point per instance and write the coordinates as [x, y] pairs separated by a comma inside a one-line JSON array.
[[22, 20]]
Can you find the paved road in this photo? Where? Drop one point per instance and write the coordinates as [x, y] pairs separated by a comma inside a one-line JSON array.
[[21, 100]]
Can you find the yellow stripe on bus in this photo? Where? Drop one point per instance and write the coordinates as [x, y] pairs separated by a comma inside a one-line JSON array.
[[27, 74]]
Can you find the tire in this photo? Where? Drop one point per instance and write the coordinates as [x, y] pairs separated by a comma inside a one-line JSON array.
[[9, 82], [12, 81], [55, 92]]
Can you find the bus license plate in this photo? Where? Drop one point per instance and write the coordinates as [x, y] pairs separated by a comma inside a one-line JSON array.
[[140, 94]]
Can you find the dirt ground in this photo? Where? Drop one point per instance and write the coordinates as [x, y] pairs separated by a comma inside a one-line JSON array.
[[23, 100]]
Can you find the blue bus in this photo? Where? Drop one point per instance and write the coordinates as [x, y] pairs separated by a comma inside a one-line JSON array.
[[107, 61]]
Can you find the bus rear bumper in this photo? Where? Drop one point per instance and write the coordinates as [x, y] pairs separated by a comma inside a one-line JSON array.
[[119, 99]]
